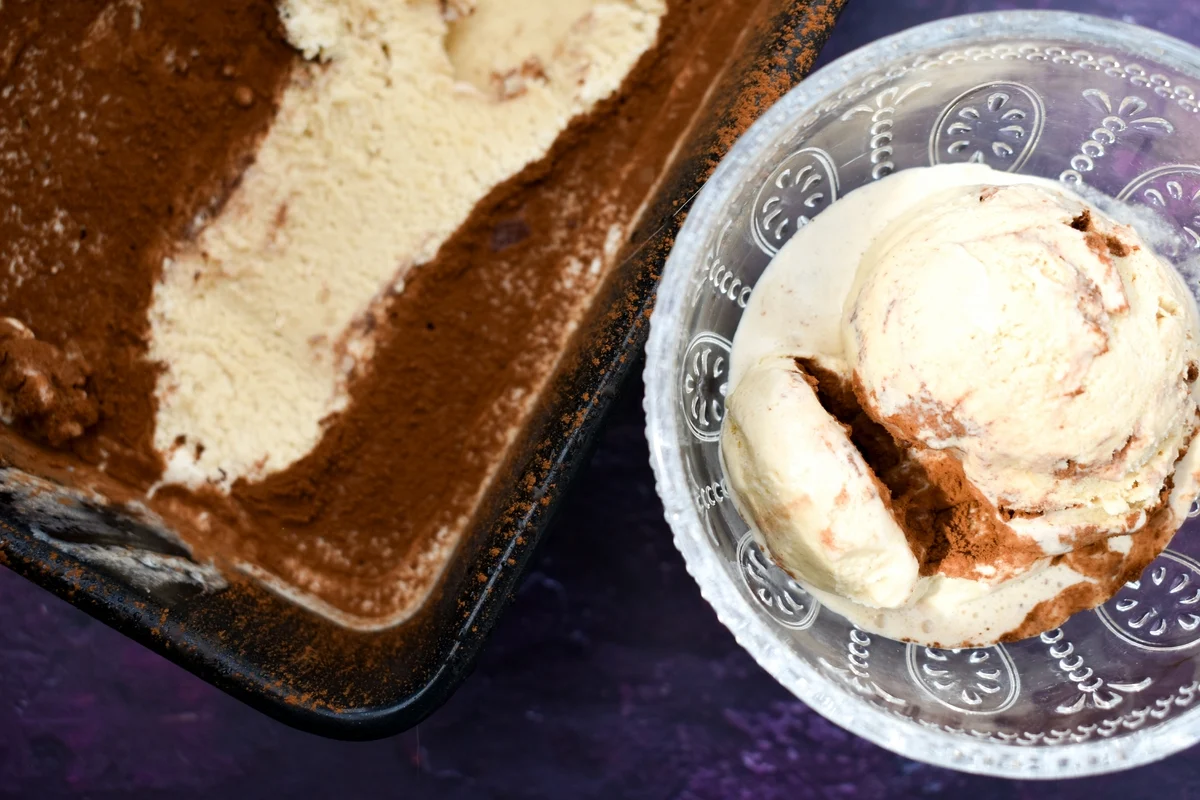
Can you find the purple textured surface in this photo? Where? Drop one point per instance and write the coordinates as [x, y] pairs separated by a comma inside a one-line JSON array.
[[608, 678]]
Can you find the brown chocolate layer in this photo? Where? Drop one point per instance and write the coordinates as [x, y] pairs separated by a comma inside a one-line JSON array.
[[1109, 569], [951, 527]]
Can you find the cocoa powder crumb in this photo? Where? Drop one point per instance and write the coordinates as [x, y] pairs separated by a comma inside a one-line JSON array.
[[1116, 246], [44, 388], [1102, 244]]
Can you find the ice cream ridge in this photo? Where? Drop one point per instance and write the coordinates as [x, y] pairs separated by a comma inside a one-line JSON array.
[[963, 406]]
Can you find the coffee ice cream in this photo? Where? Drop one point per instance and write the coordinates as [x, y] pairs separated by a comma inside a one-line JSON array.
[[970, 416]]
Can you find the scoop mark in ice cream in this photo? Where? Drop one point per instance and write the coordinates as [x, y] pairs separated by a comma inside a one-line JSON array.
[[951, 527]]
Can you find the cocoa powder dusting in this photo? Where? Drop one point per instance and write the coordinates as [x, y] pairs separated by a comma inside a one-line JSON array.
[[118, 125], [785, 53], [951, 527], [967, 529]]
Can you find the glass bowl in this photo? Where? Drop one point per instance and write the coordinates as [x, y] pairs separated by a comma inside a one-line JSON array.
[[1077, 98]]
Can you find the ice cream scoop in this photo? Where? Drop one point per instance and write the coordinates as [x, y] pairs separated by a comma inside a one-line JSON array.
[[961, 406], [1049, 348]]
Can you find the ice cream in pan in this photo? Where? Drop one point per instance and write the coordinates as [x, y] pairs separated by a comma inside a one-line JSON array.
[[963, 406], [289, 278]]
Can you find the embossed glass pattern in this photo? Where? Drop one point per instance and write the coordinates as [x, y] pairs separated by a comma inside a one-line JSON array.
[[1064, 96]]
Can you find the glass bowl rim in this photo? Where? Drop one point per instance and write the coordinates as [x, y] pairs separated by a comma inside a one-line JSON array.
[[751, 629]]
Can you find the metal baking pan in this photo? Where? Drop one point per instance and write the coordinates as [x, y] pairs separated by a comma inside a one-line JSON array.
[[310, 673]]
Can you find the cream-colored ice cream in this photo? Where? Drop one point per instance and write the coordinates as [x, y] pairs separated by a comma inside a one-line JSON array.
[[798, 477], [950, 377], [1003, 327], [406, 114]]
